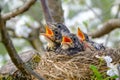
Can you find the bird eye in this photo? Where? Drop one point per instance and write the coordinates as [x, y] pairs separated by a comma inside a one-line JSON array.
[[74, 39], [59, 26], [56, 32]]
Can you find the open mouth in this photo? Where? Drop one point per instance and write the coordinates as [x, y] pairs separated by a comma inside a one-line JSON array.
[[66, 42], [48, 34], [66, 39]]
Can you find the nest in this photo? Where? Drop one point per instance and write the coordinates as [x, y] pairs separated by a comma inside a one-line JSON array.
[[73, 67]]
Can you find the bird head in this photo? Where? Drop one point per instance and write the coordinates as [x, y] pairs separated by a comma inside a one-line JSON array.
[[62, 27], [66, 42], [71, 41], [52, 34], [83, 37], [48, 33]]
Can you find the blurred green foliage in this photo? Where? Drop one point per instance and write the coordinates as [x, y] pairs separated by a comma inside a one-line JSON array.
[[105, 7], [35, 12], [2, 49]]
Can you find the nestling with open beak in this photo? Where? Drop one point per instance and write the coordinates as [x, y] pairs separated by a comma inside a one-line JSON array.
[[70, 45], [53, 36], [84, 39], [89, 44]]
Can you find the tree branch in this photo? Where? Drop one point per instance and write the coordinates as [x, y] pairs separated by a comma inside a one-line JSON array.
[[19, 10], [107, 28], [116, 16], [46, 11], [13, 53], [10, 48]]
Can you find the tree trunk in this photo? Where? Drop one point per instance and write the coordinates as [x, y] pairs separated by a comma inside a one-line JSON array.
[[55, 8]]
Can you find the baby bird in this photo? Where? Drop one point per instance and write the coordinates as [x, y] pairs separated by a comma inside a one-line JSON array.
[[70, 45], [89, 43], [53, 36]]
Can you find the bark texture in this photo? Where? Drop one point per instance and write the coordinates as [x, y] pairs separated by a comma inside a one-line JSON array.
[[56, 10], [106, 28]]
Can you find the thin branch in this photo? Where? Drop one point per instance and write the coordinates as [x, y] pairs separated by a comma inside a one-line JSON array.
[[19, 10], [13, 53], [33, 37], [46, 11], [116, 16], [10, 48], [106, 28]]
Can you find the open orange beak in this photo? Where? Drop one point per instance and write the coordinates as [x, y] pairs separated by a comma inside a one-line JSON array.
[[66, 40], [49, 33], [80, 35]]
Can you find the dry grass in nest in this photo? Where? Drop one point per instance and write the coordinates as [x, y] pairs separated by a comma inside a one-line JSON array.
[[64, 67]]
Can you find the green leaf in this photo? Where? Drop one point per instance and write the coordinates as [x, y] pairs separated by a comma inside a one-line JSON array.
[[96, 72]]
